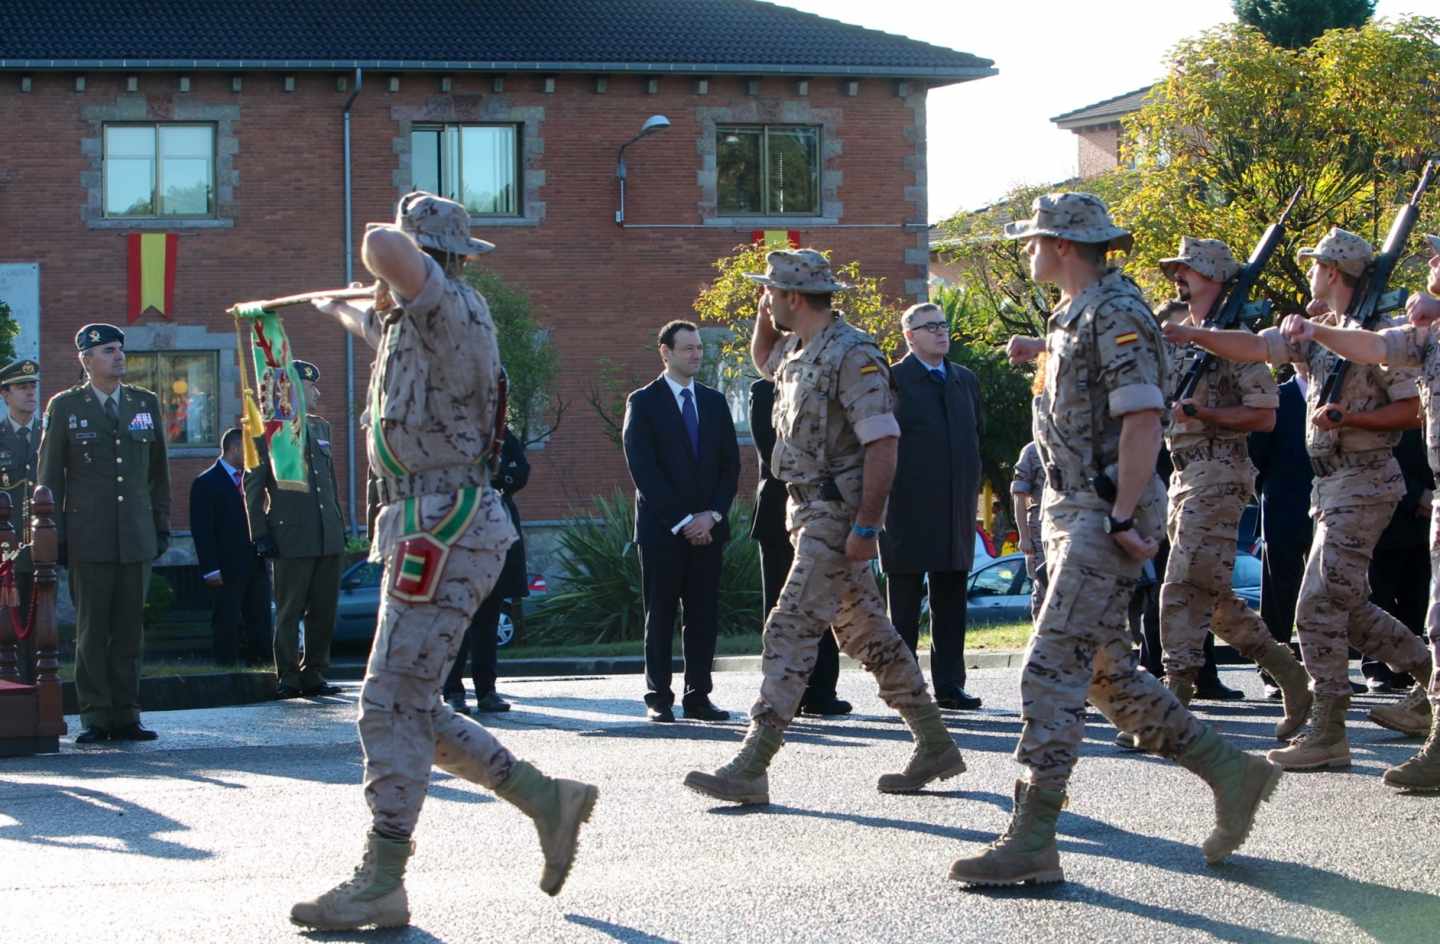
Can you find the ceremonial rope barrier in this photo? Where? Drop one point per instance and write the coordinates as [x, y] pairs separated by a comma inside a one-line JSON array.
[[10, 599]]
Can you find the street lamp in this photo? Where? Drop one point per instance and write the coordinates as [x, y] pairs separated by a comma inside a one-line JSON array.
[[652, 124]]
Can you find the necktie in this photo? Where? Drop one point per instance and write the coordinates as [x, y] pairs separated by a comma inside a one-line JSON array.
[[238, 487], [110, 410], [24, 433], [938, 373], [692, 420]]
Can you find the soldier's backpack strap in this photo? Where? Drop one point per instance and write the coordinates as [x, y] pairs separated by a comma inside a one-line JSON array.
[[421, 555]]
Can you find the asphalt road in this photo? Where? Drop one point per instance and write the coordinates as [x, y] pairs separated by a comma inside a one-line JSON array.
[[210, 833]]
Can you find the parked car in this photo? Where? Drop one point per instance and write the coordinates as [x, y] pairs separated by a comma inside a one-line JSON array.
[[360, 603], [999, 590]]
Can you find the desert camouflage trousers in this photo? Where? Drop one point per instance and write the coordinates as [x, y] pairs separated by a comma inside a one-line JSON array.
[[1432, 615], [1196, 595], [1082, 650], [1335, 613], [405, 727], [823, 591]]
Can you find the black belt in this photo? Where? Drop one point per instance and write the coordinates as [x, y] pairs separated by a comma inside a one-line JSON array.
[[1206, 452], [824, 490]]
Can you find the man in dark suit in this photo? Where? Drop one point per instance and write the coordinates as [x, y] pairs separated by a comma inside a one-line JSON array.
[[682, 454], [1283, 483], [228, 562], [928, 543], [777, 554]]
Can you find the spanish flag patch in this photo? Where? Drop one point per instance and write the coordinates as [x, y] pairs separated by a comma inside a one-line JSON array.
[[869, 369], [1129, 337]]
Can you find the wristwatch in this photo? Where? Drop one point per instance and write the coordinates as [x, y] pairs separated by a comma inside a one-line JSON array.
[[1115, 525], [864, 532], [717, 516]]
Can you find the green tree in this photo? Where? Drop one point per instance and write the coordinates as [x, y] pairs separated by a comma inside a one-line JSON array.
[[529, 356], [1239, 123], [9, 331], [1296, 23]]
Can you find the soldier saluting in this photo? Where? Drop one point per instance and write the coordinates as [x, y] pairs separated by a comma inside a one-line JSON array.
[[1097, 426], [19, 443], [103, 456]]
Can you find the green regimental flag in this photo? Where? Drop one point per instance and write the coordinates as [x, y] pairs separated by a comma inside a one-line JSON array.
[[280, 396]]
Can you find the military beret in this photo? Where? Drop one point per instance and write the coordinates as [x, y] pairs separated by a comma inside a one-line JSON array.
[[21, 371], [93, 335], [306, 370]]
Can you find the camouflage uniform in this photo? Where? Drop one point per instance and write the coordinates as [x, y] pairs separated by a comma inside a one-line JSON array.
[[833, 397], [1212, 482], [432, 400], [1029, 480], [19, 450], [1357, 485]]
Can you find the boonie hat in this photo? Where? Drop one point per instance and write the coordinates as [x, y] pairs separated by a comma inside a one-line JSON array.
[[1080, 217], [1210, 257], [798, 270], [1434, 243], [1343, 249], [94, 335], [438, 223], [21, 371]]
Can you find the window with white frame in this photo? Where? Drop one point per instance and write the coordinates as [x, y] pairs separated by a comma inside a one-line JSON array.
[[162, 169], [477, 165]]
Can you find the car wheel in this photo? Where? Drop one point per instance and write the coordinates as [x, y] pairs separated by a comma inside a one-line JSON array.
[[505, 631]]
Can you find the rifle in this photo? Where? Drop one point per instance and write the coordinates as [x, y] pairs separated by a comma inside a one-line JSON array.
[[1233, 306], [1372, 298]]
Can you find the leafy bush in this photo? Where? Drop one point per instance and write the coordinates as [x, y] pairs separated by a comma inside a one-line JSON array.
[[159, 598], [598, 596]]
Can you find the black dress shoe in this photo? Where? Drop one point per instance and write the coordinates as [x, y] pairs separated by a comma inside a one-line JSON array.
[[701, 709], [957, 699], [287, 691], [133, 732], [825, 707], [324, 688], [1357, 689], [92, 736], [1217, 691], [661, 713], [491, 703]]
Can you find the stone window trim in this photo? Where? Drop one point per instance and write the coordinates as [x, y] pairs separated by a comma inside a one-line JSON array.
[[178, 338], [479, 109], [771, 112], [158, 110]]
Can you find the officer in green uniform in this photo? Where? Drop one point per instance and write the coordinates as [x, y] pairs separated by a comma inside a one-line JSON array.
[[304, 532], [19, 439], [103, 456]]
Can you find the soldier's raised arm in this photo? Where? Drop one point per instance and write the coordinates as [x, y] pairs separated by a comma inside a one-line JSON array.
[[764, 338], [1241, 346]]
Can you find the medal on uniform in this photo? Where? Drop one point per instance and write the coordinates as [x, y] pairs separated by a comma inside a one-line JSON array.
[[421, 555]]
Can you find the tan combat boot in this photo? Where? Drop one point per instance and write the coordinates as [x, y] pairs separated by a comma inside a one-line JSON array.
[[1410, 715], [374, 895], [1294, 682], [1325, 744], [1181, 685], [1421, 772], [743, 780], [1026, 852], [558, 807], [1240, 782], [935, 757]]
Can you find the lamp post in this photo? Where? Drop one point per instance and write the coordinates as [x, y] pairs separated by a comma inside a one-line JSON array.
[[652, 124]]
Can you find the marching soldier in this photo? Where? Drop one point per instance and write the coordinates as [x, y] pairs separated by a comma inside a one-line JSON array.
[[1097, 426], [1212, 482], [835, 447], [1414, 346], [19, 445], [103, 456], [304, 533], [1357, 485], [442, 533]]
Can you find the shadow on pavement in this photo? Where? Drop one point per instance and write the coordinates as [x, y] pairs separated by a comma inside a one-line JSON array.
[[618, 931], [78, 818]]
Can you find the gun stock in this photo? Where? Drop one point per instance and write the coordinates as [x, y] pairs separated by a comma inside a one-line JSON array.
[[1373, 298]]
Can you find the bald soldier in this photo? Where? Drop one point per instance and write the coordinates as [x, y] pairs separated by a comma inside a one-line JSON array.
[[103, 456], [1097, 427], [19, 447], [1416, 346], [1212, 482], [1357, 486], [835, 448], [442, 533]]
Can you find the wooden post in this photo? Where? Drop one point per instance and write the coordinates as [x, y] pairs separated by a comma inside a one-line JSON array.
[[51, 721], [9, 644]]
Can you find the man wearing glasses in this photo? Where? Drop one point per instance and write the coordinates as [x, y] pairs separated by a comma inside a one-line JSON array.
[[928, 544]]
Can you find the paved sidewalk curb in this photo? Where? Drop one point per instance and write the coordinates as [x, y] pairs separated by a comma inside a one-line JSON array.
[[183, 692]]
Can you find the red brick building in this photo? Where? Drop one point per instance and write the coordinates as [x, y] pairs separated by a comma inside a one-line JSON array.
[[227, 127], [1098, 131]]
